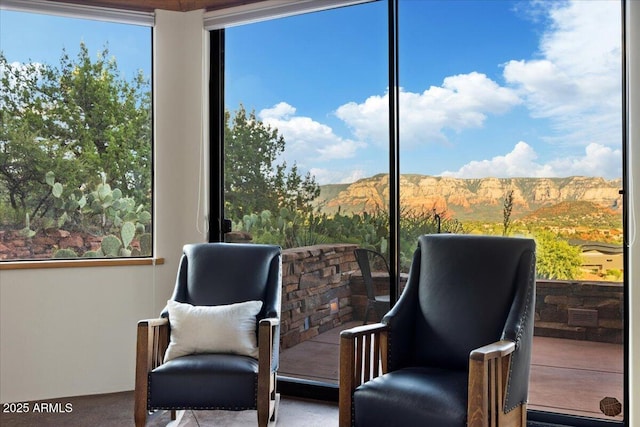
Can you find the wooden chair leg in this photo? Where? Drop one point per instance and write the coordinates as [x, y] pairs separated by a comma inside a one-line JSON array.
[[140, 415], [152, 341], [268, 404], [263, 412], [173, 415], [274, 414], [274, 402]]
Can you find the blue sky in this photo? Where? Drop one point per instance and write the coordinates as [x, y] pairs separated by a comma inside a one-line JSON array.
[[492, 88], [41, 38], [489, 88]]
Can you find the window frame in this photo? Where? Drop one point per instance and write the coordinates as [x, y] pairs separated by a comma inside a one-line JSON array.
[[108, 15], [322, 391]]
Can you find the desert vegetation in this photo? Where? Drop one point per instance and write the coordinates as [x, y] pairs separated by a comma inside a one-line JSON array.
[[75, 181]]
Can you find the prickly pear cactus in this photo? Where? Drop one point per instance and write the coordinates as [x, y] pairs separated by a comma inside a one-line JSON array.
[[110, 246], [118, 218], [27, 231], [65, 253], [127, 233], [145, 244]]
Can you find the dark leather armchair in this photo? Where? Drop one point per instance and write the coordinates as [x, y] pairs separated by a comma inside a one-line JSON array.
[[456, 348], [215, 274]]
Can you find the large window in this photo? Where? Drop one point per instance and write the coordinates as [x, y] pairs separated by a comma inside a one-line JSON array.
[[75, 138], [510, 123], [289, 152]]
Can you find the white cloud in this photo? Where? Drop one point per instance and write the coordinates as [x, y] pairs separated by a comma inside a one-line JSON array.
[[573, 82], [368, 120], [576, 81], [307, 138], [280, 110], [462, 101], [520, 161], [332, 176], [597, 160]]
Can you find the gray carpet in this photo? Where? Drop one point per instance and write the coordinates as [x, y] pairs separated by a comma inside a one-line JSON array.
[[292, 413], [116, 410]]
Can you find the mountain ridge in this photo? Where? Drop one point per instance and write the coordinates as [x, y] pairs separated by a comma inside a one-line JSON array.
[[470, 198]]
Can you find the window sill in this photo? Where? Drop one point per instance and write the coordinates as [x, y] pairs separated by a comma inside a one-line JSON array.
[[73, 263]]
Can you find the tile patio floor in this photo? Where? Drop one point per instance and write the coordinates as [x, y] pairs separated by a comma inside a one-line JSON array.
[[567, 376]]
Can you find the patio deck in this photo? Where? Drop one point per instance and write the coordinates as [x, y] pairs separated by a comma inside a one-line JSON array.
[[567, 376]]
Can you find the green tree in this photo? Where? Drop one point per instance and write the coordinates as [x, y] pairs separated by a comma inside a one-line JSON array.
[[82, 120], [105, 121], [26, 150], [294, 191], [254, 180], [556, 258]]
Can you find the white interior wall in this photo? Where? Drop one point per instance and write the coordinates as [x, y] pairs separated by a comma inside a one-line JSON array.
[[71, 331], [66, 332]]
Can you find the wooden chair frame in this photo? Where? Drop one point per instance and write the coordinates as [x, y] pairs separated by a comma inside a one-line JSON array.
[[363, 357], [152, 343]]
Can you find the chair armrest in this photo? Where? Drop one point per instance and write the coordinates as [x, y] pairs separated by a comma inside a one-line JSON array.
[[362, 330], [273, 321], [154, 323], [363, 356], [152, 342], [494, 350], [488, 378]]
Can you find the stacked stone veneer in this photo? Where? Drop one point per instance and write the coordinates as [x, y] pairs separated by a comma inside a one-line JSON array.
[[15, 246], [601, 302], [313, 277]]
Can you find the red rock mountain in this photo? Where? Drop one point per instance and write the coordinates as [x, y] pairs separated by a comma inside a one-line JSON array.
[[479, 199]]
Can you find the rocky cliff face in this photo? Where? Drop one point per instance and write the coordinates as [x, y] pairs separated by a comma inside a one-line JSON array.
[[480, 199]]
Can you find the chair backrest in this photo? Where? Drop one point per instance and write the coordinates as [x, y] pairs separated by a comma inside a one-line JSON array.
[[226, 273], [464, 292], [364, 258]]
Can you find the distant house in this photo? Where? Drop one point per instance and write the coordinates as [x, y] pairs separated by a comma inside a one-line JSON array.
[[598, 257]]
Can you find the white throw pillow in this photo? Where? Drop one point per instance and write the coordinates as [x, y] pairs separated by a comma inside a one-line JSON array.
[[212, 329]]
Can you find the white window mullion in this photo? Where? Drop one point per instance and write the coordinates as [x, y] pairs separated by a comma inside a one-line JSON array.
[[80, 11], [269, 9]]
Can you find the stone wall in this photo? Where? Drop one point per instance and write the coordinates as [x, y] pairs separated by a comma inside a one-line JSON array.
[[316, 295], [316, 276], [14, 245], [591, 311]]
